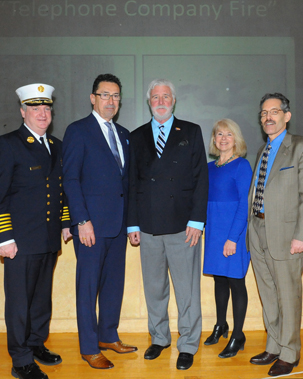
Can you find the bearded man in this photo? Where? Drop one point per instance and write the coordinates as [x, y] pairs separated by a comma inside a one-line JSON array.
[[166, 215]]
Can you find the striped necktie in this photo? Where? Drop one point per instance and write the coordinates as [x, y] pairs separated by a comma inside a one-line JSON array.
[[160, 141], [113, 144], [259, 197]]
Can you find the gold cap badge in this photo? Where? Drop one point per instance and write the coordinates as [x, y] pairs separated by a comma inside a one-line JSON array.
[[41, 89], [30, 139]]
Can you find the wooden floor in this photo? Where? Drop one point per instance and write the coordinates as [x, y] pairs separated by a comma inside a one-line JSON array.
[[206, 365]]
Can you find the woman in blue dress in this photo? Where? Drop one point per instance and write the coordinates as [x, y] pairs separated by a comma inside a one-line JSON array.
[[226, 257]]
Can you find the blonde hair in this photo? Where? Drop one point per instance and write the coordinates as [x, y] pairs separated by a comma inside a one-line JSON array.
[[240, 147]]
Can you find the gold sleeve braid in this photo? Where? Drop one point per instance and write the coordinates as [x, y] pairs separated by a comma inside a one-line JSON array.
[[65, 216], [5, 222]]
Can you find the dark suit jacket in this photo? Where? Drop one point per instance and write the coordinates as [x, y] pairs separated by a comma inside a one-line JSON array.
[[283, 198], [31, 193], [93, 183], [166, 193]]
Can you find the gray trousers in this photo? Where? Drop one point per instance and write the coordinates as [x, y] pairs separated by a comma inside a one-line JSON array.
[[280, 289], [159, 254]]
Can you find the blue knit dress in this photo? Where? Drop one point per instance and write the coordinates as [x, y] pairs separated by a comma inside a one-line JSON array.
[[227, 218]]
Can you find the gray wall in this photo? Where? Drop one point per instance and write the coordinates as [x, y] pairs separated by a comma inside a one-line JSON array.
[[221, 55]]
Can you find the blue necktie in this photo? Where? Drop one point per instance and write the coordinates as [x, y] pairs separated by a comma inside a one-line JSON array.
[[113, 144], [160, 141]]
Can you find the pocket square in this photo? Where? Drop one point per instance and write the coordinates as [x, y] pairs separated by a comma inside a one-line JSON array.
[[184, 143], [286, 168]]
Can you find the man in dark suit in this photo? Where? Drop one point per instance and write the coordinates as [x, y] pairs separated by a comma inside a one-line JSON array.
[[95, 166], [167, 212], [32, 214], [275, 235]]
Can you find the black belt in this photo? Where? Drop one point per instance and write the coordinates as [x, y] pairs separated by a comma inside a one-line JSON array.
[[260, 215]]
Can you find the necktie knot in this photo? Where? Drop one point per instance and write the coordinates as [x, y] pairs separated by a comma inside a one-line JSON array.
[[44, 145]]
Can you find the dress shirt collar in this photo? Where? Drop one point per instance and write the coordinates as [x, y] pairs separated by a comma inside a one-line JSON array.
[[167, 126], [101, 120], [35, 134], [276, 143]]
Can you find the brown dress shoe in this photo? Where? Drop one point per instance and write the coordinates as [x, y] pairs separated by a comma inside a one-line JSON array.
[[264, 358], [97, 361], [282, 368], [118, 347]]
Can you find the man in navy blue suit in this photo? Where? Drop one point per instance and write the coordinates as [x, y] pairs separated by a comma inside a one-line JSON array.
[[95, 168]]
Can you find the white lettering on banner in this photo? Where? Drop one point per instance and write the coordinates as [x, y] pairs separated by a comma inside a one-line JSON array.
[[135, 8]]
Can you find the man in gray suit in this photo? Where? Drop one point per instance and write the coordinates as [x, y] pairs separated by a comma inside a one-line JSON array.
[[275, 235]]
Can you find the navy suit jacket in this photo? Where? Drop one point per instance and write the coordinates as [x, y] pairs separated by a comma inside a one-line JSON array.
[[95, 188], [168, 192], [32, 209]]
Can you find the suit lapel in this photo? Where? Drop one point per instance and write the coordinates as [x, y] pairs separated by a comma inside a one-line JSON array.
[[149, 141], [124, 143], [53, 151], [35, 149], [280, 157]]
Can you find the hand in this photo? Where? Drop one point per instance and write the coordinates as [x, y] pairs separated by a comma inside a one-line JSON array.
[[134, 238], [296, 247], [9, 251], [87, 234], [66, 234], [229, 248], [192, 234]]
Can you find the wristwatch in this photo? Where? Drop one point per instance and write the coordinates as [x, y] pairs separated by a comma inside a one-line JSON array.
[[82, 222]]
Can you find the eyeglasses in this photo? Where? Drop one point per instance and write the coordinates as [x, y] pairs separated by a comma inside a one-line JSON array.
[[107, 96], [272, 112]]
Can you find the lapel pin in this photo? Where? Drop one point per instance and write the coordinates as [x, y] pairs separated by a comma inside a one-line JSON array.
[[50, 141], [177, 128], [30, 139]]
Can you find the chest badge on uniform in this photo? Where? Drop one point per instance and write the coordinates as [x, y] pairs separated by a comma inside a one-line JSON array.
[[30, 139]]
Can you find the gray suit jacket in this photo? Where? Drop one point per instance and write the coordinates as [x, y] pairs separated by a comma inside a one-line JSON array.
[[283, 198]]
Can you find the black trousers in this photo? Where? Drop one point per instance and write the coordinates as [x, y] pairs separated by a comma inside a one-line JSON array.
[[28, 304]]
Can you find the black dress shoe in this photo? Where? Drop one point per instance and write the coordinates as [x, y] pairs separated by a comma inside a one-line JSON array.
[[154, 351], [282, 368], [45, 356], [31, 371], [217, 333], [233, 346], [185, 361], [264, 358]]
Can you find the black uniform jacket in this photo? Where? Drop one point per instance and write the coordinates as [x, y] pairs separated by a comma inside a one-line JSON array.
[[165, 193], [32, 210]]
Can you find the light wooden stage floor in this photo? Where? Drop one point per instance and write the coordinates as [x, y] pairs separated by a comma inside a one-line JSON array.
[[206, 365]]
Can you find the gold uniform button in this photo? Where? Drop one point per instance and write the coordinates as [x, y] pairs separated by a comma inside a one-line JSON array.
[[60, 218], [61, 201], [60, 184], [60, 210], [46, 178], [48, 212], [48, 203], [61, 193], [48, 195], [47, 186], [47, 219], [60, 177]]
